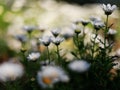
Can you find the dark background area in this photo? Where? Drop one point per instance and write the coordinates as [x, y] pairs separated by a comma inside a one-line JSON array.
[[82, 2]]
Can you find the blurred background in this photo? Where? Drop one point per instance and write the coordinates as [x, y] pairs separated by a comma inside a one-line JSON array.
[[45, 14]]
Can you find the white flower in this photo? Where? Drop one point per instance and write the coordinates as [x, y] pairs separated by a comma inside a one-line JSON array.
[[98, 25], [77, 29], [33, 56], [29, 29], [21, 38], [83, 21], [46, 40], [67, 32], [57, 40], [117, 64], [10, 71], [79, 65], [111, 31], [56, 32], [108, 9], [50, 75], [95, 19]]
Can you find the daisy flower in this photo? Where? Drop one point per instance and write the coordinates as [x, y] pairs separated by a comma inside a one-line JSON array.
[[29, 29], [33, 56], [56, 32], [57, 40], [79, 65], [45, 40], [50, 75], [108, 9], [10, 71]]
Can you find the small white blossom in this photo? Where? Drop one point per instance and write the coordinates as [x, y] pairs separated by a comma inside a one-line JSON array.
[[46, 40], [67, 32], [117, 64], [77, 29], [56, 32], [111, 31], [98, 25], [67, 35], [108, 9], [21, 38], [50, 75], [83, 21], [29, 29], [10, 71], [95, 19], [79, 65], [33, 56], [57, 40]]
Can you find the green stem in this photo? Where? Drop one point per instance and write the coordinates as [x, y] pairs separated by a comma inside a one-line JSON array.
[[48, 54], [93, 46], [105, 33], [24, 59], [58, 54], [78, 45], [83, 32], [29, 42]]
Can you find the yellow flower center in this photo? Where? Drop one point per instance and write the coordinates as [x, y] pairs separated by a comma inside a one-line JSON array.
[[47, 80]]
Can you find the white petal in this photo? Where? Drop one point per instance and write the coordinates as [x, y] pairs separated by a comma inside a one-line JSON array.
[[114, 7]]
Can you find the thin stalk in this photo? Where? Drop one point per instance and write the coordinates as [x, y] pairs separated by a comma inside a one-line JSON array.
[[83, 32], [78, 45], [84, 47], [105, 33], [94, 44], [58, 54], [48, 53], [29, 42], [77, 41], [24, 59]]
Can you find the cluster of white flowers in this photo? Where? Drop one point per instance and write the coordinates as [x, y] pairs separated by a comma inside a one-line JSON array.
[[10, 71], [50, 75]]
